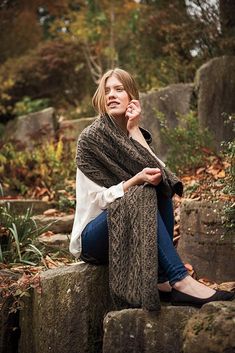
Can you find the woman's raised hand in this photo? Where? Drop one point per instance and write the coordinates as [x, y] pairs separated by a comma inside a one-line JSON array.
[[133, 113]]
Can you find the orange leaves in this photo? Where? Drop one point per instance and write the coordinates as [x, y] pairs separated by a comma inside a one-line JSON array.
[[17, 281], [207, 182], [50, 212], [228, 286], [190, 270], [216, 169], [42, 193], [51, 263]]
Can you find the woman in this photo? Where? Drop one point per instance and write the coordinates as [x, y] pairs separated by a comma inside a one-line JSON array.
[[124, 213]]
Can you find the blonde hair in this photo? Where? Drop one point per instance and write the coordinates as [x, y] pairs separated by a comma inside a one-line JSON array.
[[126, 80]]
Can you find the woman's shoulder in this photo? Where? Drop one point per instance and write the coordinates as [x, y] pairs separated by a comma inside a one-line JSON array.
[[91, 130]]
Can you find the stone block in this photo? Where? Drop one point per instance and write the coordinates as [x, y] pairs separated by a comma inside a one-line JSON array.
[[215, 84], [140, 331], [170, 101], [211, 329], [57, 224], [55, 240], [21, 206], [204, 242], [33, 127], [71, 129], [67, 317]]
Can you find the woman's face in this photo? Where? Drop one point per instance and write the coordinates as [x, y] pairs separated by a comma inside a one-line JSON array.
[[116, 97]]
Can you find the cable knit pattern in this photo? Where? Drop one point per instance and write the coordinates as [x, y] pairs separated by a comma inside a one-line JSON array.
[[106, 155]]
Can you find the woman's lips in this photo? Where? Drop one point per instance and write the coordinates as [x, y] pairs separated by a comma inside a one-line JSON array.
[[112, 104]]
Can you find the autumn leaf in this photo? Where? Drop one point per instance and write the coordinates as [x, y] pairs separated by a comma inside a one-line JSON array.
[[50, 212]]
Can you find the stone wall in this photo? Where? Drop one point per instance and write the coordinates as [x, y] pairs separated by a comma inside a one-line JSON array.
[[170, 101], [67, 316], [34, 127], [215, 84], [211, 329], [140, 331], [204, 242]]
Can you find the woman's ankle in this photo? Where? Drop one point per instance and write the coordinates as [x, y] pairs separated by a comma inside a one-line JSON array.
[[185, 282], [165, 286]]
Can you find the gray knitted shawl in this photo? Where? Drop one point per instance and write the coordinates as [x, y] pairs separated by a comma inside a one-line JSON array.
[[107, 156]]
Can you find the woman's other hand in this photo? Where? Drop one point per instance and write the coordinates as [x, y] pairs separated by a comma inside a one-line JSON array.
[[133, 113], [152, 176]]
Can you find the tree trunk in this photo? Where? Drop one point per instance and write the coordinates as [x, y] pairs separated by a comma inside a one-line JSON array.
[[227, 22]]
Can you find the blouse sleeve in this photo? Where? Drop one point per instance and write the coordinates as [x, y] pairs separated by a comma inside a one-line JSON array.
[[96, 195]]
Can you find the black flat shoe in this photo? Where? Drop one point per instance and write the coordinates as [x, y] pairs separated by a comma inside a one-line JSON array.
[[179, 298], [164, 296]]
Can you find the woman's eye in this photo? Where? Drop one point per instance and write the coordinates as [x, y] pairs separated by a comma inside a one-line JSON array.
[[119, 89]]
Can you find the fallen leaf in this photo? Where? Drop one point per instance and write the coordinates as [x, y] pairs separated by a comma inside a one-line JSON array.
[[50, 212], [230, 286], [200, 170], [175, 239], [221, 174], [188, 267], [47, 234], [45, 198]]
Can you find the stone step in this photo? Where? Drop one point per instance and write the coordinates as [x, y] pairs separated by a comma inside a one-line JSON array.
[[205, 243], [67, 316], [140, 331], [73, 313], [211, 329], [57, 224], [21, 206], [55, 240]]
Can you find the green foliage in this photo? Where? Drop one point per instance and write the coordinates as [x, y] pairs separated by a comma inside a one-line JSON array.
[[48, 168], [19, 237], [28, 105], [186, 143], [229, 209], [65, 203], [85, 109]]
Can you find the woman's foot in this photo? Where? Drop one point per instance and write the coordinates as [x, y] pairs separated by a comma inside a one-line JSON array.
[[190, 286], [191, 292]]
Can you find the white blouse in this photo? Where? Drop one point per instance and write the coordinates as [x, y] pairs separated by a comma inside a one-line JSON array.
[[91, 200]]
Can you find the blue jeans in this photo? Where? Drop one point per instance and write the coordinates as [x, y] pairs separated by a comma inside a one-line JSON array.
[[95, 243]]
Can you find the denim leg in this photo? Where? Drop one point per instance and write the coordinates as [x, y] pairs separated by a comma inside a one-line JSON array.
[[95, 240], [95, 244], [168, 257], [165, 208]]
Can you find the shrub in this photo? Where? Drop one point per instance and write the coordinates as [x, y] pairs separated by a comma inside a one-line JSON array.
[[229, 208], [39, 172], [186, 143], [28, 105], [18, 235]]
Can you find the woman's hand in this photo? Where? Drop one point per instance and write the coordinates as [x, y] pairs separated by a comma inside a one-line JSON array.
[[150, 175], [147, 175], [133, 113]]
